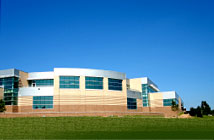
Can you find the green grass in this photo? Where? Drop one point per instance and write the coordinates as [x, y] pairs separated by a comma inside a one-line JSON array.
[[106, 128]]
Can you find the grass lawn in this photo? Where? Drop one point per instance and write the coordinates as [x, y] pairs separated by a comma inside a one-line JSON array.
[[106, 128]]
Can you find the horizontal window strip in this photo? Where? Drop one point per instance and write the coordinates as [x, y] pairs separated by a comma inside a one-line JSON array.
[[69, 82], [115, 84], [42, 102], [94, 82]]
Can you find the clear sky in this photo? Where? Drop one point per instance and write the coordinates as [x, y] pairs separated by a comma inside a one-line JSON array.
[[170, 41]]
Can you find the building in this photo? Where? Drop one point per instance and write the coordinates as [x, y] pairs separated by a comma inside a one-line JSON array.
[[82, 90]]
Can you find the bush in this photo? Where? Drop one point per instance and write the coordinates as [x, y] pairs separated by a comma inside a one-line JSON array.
[[212, 112], [204, 109], [174, 106], [2, 106], [198, 112], [193, 111]]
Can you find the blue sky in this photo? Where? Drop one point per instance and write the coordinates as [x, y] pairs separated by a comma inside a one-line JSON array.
[[172, 42]]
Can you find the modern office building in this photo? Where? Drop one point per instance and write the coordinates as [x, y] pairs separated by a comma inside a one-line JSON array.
[[82, 90]]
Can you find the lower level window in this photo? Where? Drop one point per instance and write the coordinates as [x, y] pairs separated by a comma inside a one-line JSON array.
[[42, 102], [168, 102], [131, 103]]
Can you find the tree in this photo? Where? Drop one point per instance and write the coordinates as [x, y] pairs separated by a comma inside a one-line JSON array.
[[174, 106], [198, 112], [205, 108], [2, 106], [212, 112], [192, 111]]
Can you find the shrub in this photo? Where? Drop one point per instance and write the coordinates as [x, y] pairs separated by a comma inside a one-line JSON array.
[[2, 106], [174, 106], [198, 111], [212, 112], [192, 111]]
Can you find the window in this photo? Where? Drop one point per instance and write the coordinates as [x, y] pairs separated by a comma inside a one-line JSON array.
[[168, 102], [11, 87], [42, 102], [145, 90], [131, 103], [114, 84], [94, 82], [69, 81], [38, 83], [145, 100]]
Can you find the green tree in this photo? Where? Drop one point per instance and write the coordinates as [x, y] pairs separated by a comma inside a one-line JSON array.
[[205, 108], [192, 111], [174, 106], [2, 106], [199, 112], [212, 112]]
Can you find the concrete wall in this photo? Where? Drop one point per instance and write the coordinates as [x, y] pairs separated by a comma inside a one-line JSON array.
[[135, 84], [156, 99], [81, 100], [88, 99]]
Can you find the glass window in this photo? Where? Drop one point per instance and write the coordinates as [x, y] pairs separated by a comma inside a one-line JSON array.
[[11, 87], [69, 81], [115, 84], [46, 82], [131, 103], [168, 102], [94, 82], [42, 102], [145, 90]]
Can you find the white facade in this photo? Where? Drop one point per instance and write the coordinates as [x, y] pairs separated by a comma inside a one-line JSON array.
[[36, 91]]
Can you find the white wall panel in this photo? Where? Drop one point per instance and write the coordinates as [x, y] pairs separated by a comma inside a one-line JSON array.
[[40, 75], [36, 91], [169, 95], [89, 72]]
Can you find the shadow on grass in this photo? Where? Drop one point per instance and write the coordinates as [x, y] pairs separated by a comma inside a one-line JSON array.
[[133, 135]]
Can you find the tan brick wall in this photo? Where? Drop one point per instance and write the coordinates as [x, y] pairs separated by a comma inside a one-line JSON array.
[[84, 109], [23, 79], [11, 108], [48, 114], [25, 101], [139, 104], [1, 93], [179, 103], [167, 111], [76, 108]]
